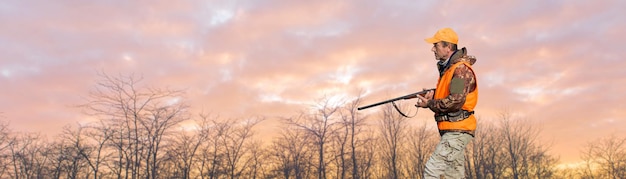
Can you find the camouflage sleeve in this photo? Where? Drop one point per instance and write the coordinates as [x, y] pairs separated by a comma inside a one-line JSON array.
[[462, 83]]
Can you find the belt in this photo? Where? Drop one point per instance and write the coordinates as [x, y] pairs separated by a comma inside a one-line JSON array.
[[461, 131], [453, 116]]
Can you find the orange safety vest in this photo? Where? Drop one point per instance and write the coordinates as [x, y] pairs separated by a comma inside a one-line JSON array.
[[443, 90]]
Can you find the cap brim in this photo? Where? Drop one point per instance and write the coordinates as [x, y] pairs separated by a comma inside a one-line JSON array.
[[432, 40]]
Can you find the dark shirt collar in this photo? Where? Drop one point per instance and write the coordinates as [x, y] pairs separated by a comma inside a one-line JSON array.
[[443, 65]]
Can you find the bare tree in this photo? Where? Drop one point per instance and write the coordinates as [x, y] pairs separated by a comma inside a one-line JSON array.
[[161, 119], [367, 155], [393, 131], [183, 152], [520, 143], [236, 145], [422, 142], [486, 159], [136, 137], [346, 141], [257, 161], [509, 150], [339, 147], [354, 126], [587, 154], [71, 153], [28, 156], [517, 141], [6, 141], [227, 151], [605, 158], [321, 126], [99, 135], [140, 117], [291, 154], [212, 163]]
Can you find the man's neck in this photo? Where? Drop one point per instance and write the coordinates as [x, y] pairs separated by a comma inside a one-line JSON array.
[[447, 61]]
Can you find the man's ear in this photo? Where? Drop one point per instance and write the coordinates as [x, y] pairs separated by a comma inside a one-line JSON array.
[[450, 48]]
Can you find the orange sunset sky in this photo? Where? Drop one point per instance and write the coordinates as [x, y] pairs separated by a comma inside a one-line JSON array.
[[556, 63]]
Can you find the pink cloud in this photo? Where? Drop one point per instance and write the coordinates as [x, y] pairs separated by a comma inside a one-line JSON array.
[[555, 63]]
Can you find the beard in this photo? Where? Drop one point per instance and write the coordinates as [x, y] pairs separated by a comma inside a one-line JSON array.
[[440, 58]]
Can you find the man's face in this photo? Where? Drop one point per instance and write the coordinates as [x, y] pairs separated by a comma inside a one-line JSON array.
[[441, 53]]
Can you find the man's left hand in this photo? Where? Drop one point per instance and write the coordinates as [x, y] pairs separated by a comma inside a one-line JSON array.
[[423, 100]]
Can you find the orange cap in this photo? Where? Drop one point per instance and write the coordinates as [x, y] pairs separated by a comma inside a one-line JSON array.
[[445, 34]]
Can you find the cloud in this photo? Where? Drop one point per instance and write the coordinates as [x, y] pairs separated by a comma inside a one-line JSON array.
[[551, 61]]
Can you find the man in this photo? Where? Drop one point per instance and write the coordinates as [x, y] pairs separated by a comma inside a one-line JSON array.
[[453, 103]]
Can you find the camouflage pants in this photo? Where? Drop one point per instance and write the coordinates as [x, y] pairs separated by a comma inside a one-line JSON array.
[[448, 159]]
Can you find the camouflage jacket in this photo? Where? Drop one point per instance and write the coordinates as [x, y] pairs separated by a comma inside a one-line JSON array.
[[465, 83]]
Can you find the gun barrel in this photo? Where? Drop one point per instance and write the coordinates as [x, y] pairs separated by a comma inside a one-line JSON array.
[[414, 95], [376, 104]]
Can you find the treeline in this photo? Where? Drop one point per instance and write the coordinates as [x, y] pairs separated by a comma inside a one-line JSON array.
[[139, 133]]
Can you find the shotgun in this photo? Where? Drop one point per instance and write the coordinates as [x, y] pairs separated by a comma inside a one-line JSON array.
[[409, 96]]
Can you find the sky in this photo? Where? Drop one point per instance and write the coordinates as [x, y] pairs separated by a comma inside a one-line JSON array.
[[555, 63]]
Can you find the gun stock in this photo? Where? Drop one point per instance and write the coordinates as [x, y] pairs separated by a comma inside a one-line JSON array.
[[409, 96]]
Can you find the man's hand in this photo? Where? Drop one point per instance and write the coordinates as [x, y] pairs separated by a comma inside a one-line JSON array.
[[423, 100]]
